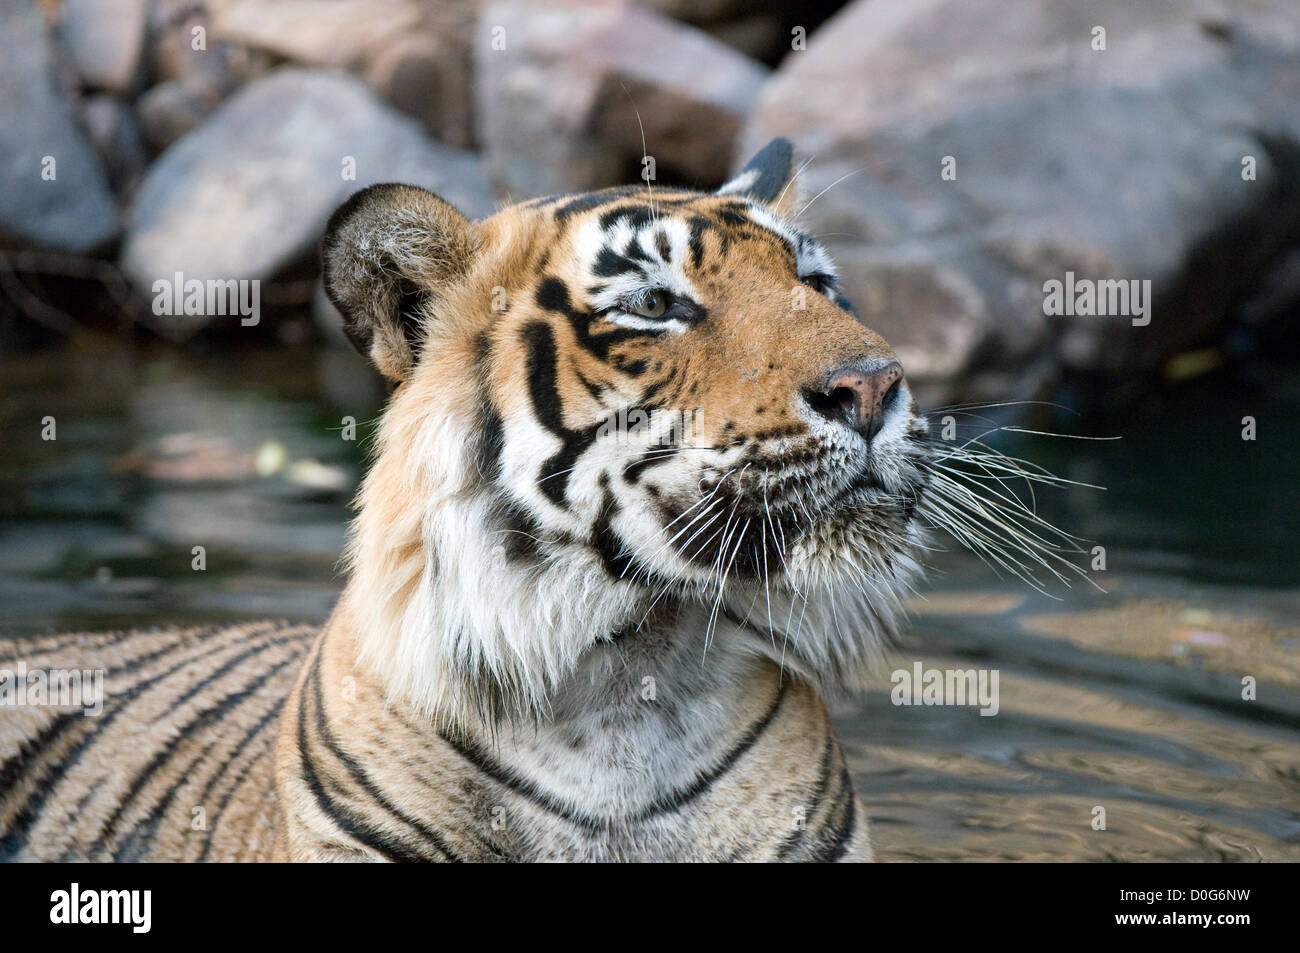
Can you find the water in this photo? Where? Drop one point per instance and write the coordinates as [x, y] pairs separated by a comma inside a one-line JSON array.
[[1131, 699], [1128, 700]]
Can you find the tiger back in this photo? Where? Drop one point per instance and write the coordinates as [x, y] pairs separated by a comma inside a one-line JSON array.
[[176, 765]]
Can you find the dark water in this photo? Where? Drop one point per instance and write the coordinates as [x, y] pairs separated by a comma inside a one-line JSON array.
[[1128, 700], [242, 454]]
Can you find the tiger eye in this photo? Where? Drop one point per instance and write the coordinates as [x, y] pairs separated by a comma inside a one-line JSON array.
[[653, 305]]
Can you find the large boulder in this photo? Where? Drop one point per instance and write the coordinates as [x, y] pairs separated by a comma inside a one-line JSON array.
[[429, 74], [567, 90], [53, 189], [248, 192], [341, 33], [1131, 161], [414, 53]]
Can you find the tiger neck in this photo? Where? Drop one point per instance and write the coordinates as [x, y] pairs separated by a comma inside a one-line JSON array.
[[653, 750], [643, 712]]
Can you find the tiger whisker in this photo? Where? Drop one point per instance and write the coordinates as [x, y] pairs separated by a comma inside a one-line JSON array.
[[808, 205]]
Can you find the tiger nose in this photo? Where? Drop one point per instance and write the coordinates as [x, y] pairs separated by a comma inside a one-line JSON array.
[[859, 396]]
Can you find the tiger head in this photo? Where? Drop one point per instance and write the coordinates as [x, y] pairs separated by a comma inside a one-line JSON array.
[[611, 406]]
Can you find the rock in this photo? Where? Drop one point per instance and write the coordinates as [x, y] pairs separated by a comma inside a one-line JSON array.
[[104, 39], [341, 33], [248, 192], [764, 32], [700, 11], [759, 36], [224, 66], [53, 189], [416, 55], [1123, 163], [172, 42], [1271, 314], [429, 75], [174, 107], [558, 106], [113, 130]]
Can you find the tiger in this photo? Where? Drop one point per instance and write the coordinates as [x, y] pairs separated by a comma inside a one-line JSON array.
[[644, 499]]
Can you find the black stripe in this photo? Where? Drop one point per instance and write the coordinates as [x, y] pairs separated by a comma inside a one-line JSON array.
[[576, 203], [553, 295], [214, 817], [610, 264], [345, 820], [543, 376], [553, 478], [202, 719], [679, 799], [584, 203], [360, 776], [674, 801], [823, 782], [637, 215], [832, 850], [653, 458], [491, 434], [699, 224], [663, 246], [36, 646], [523, 787], [15, 838], [218, 672], [615, 558]]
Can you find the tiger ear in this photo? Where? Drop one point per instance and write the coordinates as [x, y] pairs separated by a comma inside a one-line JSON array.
[[770, 177], [388, 254]]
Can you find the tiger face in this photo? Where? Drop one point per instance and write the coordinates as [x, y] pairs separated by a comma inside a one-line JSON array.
[[608, 406]]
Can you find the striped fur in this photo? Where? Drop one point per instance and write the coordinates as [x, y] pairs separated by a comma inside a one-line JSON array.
[[758, 774], [622, 533], [189, 721]]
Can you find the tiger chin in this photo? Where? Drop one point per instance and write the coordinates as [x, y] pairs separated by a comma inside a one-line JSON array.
[[644, 495]]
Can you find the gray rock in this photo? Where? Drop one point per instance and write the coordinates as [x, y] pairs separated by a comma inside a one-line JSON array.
[[1124, 163], [174, 107], [104, 39], [558, 106], [250, 190], [115, 134], [73, 211]]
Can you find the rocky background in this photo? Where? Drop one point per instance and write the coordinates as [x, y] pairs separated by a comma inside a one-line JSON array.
[[960, 154]]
